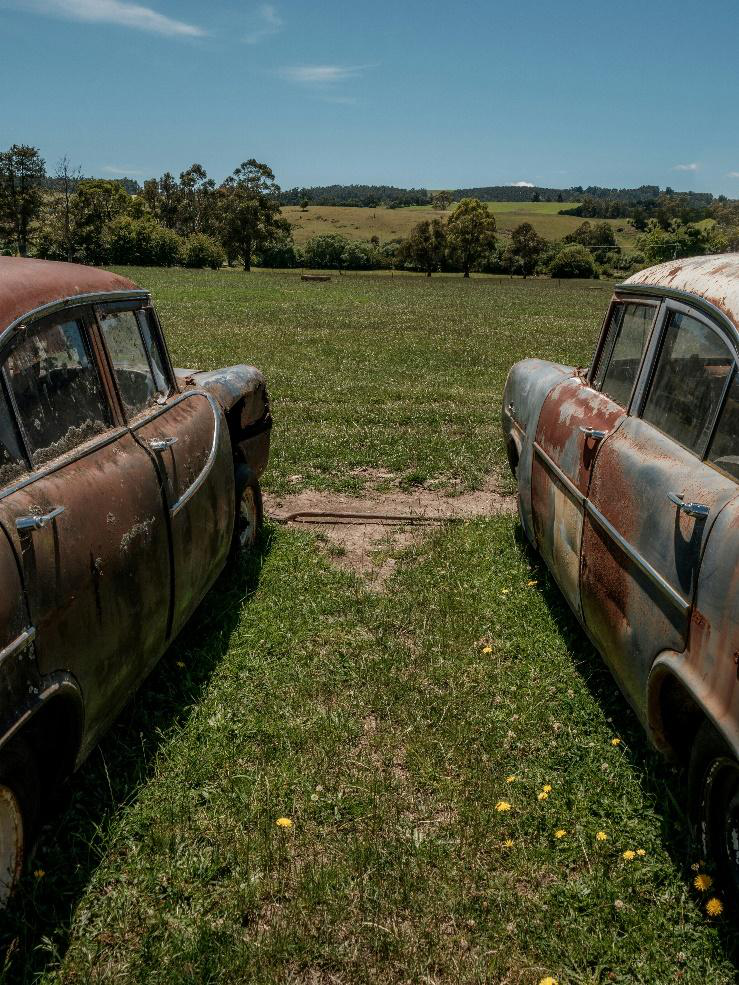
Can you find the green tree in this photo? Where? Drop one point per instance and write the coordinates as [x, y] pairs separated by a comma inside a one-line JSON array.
[[196, 203], [426, 246], [536, 197], [325, 252], [304, 203], [22, 172], [441, 200], [470, 233], [203, 251], [95, 205], [573, 261], [250, 210], [525, 248]]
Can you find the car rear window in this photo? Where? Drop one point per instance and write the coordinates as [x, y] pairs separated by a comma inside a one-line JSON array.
[[724, 451], [627, 335], [692, 369], [57, 389], [133, 371]]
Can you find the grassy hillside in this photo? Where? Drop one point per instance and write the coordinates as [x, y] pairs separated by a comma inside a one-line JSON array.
[[362, 224]]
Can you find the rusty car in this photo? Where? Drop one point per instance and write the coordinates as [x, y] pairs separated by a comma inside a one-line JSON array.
[[125, 486], [627, 478]]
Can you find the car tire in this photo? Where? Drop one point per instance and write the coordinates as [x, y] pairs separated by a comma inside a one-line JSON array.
[[713, 790], [249, 511], [19, 810]]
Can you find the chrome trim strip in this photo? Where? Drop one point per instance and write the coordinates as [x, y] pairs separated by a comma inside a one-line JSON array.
[[692, 300], [75, 300], [216, 408], [644, 566], [553, 467], [25, 639]]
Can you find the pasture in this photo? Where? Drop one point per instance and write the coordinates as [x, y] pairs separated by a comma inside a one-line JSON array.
[[387, 224], [442, 753]]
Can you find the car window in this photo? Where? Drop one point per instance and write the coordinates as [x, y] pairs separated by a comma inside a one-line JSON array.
[[149, 333], [692, 367], [57, 389], [133, 372], [725, 445], [627, 335], [12, 460]]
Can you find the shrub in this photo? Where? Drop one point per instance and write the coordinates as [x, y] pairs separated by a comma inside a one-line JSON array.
[[281, 253], [573, 261], [203, 251], [143, 242], [324, 252]]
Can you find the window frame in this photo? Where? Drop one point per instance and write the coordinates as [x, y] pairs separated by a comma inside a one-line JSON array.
[[135, 306], [82, 314], [653, 352], [617, 303]]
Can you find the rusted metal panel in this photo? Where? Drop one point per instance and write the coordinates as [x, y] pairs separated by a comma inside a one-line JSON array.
[[19, 677]]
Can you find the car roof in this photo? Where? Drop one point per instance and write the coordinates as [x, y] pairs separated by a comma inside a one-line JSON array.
[[715, 279], [26, 285]]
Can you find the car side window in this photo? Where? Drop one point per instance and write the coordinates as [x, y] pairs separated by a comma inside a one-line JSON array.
[[56, 388], [12, 459], [152, 343], [624, 344], [724, 451], [692, 369], [133, 371]]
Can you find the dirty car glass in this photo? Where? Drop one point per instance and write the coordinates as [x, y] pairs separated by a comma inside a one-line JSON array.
[[691, 373], [130, 364], [619, 362], [725, 445], [57, 390], [152, 347], [11, 457]]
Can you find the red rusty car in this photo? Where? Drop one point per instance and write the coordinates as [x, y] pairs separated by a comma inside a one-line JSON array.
[[628, 486], [124, 488]]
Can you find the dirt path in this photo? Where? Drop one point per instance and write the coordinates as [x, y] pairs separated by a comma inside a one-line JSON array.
[[382, 523]]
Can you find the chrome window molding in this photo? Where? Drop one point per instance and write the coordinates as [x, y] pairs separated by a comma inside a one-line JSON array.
[[559, 474], [685, 297], [18, 645]]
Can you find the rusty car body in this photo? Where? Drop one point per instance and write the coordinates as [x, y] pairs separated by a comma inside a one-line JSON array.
[[124, 487], [628, 486]]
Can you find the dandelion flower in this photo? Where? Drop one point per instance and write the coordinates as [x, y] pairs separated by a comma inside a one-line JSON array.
[[180, 664], [629, 855], [542, 796], [615, 742], [714, 907], [511, 779], [560, 833], [502, 805], [284, 822], [39, 874], [640, 852], [547, 788], [532, 583], [487, 649], [508, 843], [601, 836], [695, 866], [702, 882], [549, 981]]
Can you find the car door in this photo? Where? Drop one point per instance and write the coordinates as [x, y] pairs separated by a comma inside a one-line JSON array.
[[187, 436], [654, 496], [85, 517], [575, 418]]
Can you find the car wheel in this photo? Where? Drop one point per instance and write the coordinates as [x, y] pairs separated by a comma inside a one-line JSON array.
[[19, 803], [249, 511], [713, 784]]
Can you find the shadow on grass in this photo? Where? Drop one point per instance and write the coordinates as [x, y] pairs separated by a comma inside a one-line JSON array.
[[665, 785], [34, 931]]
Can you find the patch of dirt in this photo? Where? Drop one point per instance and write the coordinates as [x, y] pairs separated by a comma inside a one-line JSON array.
[[382, 522]]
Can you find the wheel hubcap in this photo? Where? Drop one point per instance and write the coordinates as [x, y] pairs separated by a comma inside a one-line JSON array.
[[720, 817], [11, 842], [247, 519]]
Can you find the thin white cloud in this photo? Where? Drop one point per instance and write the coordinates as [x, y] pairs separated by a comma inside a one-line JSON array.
[[118, 12], [733, 174], [125, 172], [523, 184], [686, 167], [321, 75], [267, 23]]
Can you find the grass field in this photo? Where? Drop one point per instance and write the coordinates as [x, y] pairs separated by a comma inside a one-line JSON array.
[[388, 728], [362, 224]]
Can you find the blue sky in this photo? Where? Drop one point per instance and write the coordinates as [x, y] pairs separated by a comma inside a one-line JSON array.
[[408, 92]]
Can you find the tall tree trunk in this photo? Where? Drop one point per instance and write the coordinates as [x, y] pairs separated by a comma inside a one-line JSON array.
[[467, 273]]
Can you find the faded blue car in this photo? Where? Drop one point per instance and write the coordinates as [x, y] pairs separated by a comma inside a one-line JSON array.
[[628, 486]]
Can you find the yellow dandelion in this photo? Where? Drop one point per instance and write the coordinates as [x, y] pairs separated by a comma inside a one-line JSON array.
[[714, 907], [696, 866], [505, 591], [601, 836], [549, 981], [615, 742], [702, 882], [547, 788], [502, 805], [487, 649], [629, 855], [542, 796], [284, 822], [508, 843], [39, 873], [511, 779], [532, 583], [560, 833], [640, 852], [180, 664]]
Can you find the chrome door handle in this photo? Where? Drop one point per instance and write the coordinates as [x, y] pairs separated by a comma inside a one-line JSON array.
[[28, 523], [698, 510], [162, 444], [593, 432]]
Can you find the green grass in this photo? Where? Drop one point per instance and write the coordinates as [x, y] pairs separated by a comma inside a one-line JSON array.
[[377, 723], [369, 371]]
